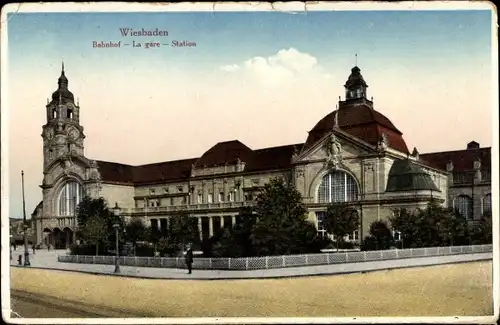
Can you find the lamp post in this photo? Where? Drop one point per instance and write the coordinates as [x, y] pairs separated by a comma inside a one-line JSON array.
[[25, 227], [116, 211], [117, 263]]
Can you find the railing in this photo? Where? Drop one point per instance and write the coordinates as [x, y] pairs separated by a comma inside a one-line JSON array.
[[187, 207], [274, 262]]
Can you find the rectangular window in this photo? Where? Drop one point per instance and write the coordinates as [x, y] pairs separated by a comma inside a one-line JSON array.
[[210, 198], [200, 198], [248, 196], [231, 197], [320, 216], [184, 200], [221, 196], [397, 235]]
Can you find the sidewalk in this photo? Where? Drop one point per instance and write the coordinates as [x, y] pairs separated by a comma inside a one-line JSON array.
[[48, 260]]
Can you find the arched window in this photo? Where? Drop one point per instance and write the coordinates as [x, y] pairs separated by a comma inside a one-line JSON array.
[[487, 203], [71, 194], [463, 205], [337, 186]]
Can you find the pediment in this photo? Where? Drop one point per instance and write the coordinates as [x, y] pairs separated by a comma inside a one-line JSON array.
[[334, 144]]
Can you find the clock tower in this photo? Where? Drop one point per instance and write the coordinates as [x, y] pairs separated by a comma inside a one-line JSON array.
[[62, 134]]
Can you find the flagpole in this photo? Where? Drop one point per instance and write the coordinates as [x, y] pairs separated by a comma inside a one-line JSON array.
[[25, 227]]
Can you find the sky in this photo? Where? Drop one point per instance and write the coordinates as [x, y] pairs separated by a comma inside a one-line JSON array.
[[264, 78]]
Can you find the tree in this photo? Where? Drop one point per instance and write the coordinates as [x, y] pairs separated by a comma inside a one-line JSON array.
[[380, 235], [234, 242], [94, 231], [407, 224], [136, 231], [482, 231], [89, 209], [224, 246], [281, 217], [431, 226], [183, 229], [163, 245], [341, 220]]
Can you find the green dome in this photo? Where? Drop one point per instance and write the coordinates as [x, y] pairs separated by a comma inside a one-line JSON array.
[[407, 176]]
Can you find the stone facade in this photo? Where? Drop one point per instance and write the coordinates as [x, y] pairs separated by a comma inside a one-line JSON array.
[[343, 160]]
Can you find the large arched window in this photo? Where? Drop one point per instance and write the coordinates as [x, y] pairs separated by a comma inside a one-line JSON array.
[[487, 203], [71, 194], [463, 205], [337, 186]]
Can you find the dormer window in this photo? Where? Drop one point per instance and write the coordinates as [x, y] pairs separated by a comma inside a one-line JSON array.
[[70, 114], [54, 113]]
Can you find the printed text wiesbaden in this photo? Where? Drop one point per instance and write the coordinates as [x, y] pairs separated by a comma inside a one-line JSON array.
[[143, 32]]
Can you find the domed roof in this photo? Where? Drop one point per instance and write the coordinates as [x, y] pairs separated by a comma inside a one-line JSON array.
[[407, 176], [223, 153], [362, 122], [62, 93]]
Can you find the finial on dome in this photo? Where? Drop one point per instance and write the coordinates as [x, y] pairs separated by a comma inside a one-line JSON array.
[[356, 59], [62, 70]]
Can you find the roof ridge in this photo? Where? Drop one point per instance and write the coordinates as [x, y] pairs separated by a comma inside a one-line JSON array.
[[451, 151]]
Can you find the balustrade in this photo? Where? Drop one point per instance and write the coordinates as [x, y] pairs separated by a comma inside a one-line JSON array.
[[189, 207]]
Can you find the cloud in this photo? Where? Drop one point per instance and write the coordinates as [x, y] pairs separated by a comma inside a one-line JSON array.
[[284, 66], [230, 68]]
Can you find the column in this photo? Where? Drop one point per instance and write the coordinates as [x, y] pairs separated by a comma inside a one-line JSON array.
[[210, 227], [222, 221], [200, 230], [233, 220]]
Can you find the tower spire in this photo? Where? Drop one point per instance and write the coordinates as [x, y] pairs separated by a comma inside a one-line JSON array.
[[356, 59], [62, 69]]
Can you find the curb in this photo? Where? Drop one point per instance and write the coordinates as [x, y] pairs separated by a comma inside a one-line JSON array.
[[257, 277]]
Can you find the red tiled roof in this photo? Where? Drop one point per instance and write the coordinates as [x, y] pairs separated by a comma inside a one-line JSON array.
[[224, 153], [115, 172], [361, 122], [272, 158], [463, 160], [256, 160], [164, 171]]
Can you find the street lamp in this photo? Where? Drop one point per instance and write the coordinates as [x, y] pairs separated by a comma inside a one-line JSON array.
[[25, 227], [116, 211], [117, 263]]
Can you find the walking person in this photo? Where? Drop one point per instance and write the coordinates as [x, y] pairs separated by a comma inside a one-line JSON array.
[[34, 248], [189, 259]]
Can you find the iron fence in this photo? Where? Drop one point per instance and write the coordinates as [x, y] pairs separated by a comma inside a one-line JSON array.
[[273, 262]]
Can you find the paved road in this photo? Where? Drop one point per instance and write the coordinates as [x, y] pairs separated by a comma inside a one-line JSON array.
[[26, 307], [30, 305], [48, 260]]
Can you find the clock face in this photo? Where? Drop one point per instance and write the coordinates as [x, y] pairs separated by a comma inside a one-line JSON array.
[[49, 133], [73, 133]]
